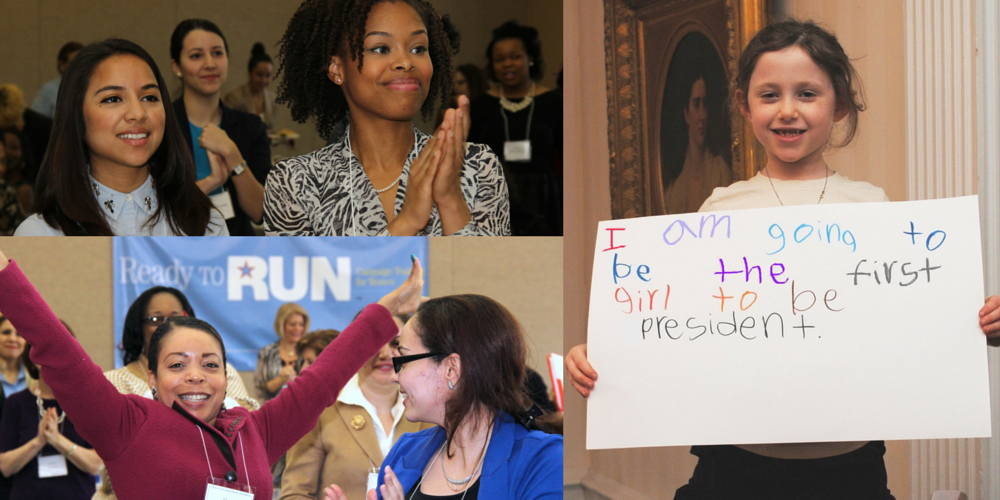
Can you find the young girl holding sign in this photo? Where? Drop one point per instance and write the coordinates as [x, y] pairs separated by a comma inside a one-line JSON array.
[[794, 83]]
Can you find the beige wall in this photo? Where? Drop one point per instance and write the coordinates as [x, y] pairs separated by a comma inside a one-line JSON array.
[[32, 31], [873, 34], [524, 274]]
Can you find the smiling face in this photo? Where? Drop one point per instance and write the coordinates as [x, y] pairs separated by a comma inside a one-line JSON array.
[[190, 372], [510, 62], [204, 63], [261, 75], [397, 71], [696, 114], [423, 382], [792, 107], [123, 113], [11, 344], [295, 326], [165, 305]]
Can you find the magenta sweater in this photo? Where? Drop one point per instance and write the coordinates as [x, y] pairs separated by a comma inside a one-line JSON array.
[[150, 450]]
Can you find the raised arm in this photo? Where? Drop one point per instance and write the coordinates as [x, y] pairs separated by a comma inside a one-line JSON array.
[[289, 416], [104, 417]]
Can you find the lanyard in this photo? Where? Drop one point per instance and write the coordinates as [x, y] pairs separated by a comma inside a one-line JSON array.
[[531, 111], [239, 436], [441, 452]]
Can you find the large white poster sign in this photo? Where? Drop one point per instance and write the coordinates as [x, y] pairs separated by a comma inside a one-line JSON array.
[[800, 324]]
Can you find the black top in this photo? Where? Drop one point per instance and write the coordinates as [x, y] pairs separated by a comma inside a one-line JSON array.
[[472, 494], [249, 134], [18, 425], [536, 186]]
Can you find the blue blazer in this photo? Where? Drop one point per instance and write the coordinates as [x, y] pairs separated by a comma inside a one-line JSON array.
[[519, 464]]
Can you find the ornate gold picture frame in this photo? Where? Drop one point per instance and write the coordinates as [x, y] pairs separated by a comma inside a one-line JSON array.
[[647, 44]]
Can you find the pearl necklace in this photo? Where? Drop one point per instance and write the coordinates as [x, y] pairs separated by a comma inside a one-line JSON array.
[[380, 191], [518, 106], [825, 181]]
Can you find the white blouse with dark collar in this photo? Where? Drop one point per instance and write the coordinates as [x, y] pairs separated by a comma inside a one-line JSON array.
[[327, 193]]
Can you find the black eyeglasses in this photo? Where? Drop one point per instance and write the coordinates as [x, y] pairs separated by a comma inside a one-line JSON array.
[[399, 361], [159, 320]]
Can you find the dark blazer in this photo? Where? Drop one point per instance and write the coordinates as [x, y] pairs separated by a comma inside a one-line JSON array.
[[250, 136]]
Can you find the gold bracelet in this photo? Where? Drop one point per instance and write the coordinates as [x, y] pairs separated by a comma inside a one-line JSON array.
[[71, 451]]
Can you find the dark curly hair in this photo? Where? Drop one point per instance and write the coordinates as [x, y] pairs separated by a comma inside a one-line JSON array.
[[321, 29], [511, 30]]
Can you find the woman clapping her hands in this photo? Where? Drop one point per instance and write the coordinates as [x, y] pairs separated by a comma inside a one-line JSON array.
[[385, 62]]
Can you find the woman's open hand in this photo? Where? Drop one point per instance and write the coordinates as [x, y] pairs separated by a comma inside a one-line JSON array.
[[406, 298], [42, 437], [216, 140], [419, 199], [454, 210]]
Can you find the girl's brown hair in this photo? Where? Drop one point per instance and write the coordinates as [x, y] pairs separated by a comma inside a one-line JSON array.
[[824, 49]]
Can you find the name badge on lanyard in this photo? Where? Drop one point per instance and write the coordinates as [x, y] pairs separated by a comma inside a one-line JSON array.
[[372, 481], [224, 203], [217, 490], [52, 466], [517, 151]]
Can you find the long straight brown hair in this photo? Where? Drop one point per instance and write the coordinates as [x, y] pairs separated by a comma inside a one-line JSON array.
[[65, 198]]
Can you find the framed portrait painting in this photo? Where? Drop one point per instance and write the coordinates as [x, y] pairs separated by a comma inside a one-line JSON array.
[[673, 136]]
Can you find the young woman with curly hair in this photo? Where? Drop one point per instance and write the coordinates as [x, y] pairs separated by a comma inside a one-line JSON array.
[[376, 63]]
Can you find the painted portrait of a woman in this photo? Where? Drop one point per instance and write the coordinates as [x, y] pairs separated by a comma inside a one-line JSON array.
[[695, 131]]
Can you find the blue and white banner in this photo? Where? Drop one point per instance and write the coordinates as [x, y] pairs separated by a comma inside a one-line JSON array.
[[237, 284]]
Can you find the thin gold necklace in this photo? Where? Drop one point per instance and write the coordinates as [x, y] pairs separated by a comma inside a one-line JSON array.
[[825, 181]]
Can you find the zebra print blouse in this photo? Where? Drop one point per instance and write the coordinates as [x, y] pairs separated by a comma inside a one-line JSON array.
[[327, 193]]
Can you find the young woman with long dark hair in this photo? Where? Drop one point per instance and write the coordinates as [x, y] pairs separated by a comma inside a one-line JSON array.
[[117, 164]]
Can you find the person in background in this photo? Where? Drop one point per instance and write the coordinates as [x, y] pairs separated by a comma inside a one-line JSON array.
[[277, 363], [17, 163], [355, 434], [11, 213], [231, 150], [470, 81], [15, 377], [117, 166], [36, 128], [522, 122], [40, 449], [45, 101], [253, 97]]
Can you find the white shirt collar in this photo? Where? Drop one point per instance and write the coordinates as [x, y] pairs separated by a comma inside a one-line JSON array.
[[113, 202], [352, 395]]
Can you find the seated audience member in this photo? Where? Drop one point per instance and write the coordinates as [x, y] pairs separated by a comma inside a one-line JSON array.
[[11, 213], [40, 448], [385, 63], [519, 109], [19, 161], [460, 365], [253, 96], [232, 153], [177, 440], [151, 309], [45, 101], [35, 127], [133, 175], [355, 434]]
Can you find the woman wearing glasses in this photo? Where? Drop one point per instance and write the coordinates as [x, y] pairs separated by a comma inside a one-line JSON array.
[[461, 366], [150, 310]]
